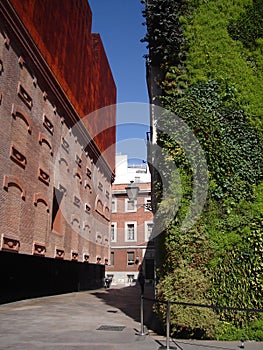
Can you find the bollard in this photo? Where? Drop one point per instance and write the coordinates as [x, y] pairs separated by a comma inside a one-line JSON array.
[[142, 325], [168, 317]]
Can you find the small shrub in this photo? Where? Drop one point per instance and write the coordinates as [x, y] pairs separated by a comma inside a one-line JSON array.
[[187, 285], [253, 331]]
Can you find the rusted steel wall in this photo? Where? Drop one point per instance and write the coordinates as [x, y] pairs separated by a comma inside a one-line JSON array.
[[62, 31]]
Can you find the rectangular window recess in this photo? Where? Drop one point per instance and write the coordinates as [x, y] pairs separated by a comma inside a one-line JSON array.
[[43, 176], [88, 172], [47, 124], [87, 207], [25, 97], [78, 160], [76, 201], [65, 145]]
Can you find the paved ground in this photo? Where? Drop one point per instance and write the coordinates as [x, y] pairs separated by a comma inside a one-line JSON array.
[[94, 320]]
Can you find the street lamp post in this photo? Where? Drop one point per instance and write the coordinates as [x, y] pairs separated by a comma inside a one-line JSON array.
[[132, 192]]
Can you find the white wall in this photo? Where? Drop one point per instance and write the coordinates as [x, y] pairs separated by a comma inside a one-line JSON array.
[[125, 174]]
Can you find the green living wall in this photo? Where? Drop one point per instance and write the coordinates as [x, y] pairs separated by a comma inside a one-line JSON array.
[[210, 56]]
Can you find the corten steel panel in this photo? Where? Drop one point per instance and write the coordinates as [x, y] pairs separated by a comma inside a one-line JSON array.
[[62, 32], [102, 121]]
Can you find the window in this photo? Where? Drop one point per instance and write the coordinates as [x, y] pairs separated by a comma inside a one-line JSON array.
[[130, 205], [60, 254], [112, 258], [47, 124], [130, 231], [130, 258], [74, 255], [113, 231], [56, 210], [65, 145], [88, 172], [100, 186], [78, 160], [148, 228], [86, 257], [25, 97], [10, 244], [18, 157], [43, 176], [87, 208], [98, 238], [76, 201], [39, 249], [114, 205]]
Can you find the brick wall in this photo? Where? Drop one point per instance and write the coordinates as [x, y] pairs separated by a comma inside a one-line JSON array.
[[54, 194], [121, 246], [62, 31]]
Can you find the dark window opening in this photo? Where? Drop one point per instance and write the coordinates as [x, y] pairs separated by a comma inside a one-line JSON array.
[[56, 215]]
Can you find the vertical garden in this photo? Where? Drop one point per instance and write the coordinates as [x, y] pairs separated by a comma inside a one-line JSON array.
[[209, 55]]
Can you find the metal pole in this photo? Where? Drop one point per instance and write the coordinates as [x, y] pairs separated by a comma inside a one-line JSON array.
[[168, 318], [168, 311], [141, 312], [142, 315]]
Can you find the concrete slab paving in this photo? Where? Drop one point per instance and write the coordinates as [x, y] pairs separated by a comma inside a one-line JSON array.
[[69, 321], [93, 320]]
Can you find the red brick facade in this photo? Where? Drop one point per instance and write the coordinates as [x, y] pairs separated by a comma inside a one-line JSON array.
[[55, 194], [129, 247]]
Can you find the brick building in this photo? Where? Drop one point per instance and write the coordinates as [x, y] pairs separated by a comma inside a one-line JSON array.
[[55, 193], [131, 224]]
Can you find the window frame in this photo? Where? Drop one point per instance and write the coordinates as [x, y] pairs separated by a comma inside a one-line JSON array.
[[127, 210], [115, 232], [132, 262], [112, 258], [127, 223], [114, 205], [146, 223]]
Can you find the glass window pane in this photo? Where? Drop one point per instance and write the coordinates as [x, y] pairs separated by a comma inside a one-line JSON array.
[[130, 258], [130, 205], [112, 258], [112, 232], [130, 233]]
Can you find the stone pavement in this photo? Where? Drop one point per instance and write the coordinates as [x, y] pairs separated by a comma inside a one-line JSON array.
[[92, 320]]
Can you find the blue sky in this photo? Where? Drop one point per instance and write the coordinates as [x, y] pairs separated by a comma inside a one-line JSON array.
[[119, 23]]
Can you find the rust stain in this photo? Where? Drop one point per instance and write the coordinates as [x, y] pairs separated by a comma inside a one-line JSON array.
[[62, 31]]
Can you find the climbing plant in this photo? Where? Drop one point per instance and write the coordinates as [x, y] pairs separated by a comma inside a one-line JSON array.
[[209, 55]]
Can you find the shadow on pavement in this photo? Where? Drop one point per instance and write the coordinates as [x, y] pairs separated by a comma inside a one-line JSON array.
[[128, 300], [181, 345]]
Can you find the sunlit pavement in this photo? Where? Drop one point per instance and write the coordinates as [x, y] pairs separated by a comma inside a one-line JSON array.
[[93, 320]]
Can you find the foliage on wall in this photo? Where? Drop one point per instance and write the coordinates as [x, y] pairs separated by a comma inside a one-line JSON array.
[[212, 69]]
